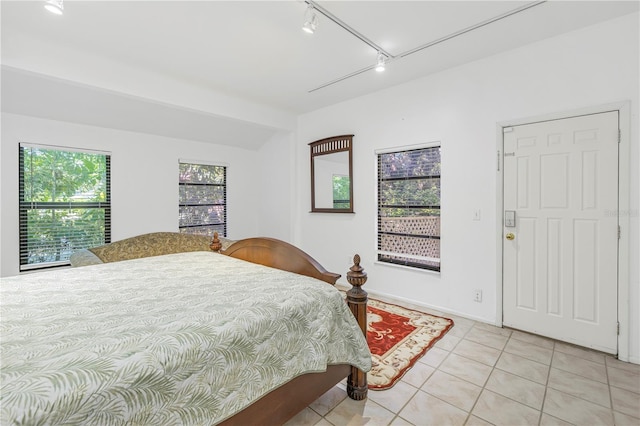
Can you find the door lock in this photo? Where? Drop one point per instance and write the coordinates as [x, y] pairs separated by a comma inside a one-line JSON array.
[[510, 236]]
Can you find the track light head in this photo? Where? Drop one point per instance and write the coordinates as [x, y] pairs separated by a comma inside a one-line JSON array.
[[54, 6], [381, 62], [310, 20]]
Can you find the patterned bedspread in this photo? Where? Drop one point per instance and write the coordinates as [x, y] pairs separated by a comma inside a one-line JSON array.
[[187, 338]]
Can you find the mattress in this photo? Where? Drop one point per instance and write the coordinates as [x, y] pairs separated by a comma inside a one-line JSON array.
[[188, 338]]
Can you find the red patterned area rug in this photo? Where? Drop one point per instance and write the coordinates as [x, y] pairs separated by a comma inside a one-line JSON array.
[[397, 338]]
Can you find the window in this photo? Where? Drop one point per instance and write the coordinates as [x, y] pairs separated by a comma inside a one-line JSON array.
[[64, 204], [409, 207], [203, 199]]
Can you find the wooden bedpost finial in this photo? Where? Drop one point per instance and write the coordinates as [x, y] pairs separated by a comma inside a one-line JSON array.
[[215, 244], [356, 275], [357, 300]]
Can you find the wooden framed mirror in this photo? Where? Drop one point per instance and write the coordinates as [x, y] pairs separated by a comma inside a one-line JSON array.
[[332, 175]]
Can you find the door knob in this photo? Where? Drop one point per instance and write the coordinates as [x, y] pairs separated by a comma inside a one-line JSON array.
[[510, 236]]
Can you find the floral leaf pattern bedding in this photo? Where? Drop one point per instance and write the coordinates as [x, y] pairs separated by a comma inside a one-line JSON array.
[[188, 338]]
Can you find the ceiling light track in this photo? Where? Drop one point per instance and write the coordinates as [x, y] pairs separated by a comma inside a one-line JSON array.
[[338, 80], [347, 28], [471, 28], [417, 49]]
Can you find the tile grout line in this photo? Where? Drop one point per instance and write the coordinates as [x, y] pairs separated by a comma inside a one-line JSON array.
[[546, 384], [432, 373], [606, 372], [482, 388]]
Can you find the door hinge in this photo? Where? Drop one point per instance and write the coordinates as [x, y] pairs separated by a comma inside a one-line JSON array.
[[498, 160], [619, 232], [619, 135], [617, 329]]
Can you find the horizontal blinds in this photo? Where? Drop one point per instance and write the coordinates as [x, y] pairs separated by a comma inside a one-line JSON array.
[[409, 207], [202, 199], [64, 204]]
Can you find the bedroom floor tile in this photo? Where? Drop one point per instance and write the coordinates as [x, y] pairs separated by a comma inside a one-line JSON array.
[[487, 338], [582, 367], [587, 354], [355, 413], [575, 410], [543, 342], [466, 369], [616, 363], [418, 374], [424, 409], [395, 398], [329, 400], [434, 357], [477, 421], [456, 392], [516, 388], [523, 367], [625, 379], [529, 350], [626, 402], [579, 386], [477, 352], [510, 412], [306, 417], [624, 420], [484, 375], [547, 420]]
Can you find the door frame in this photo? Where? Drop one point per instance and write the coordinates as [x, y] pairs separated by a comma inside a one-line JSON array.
[[623, 108]]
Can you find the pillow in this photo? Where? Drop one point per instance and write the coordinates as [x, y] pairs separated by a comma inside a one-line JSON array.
[[154, 244], [84, 257]]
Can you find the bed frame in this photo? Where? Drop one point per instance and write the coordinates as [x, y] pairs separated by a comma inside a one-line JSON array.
[[283, 403]]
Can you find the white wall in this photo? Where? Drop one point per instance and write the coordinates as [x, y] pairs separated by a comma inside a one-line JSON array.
[[275, 177], [461, 108], [144, 175]]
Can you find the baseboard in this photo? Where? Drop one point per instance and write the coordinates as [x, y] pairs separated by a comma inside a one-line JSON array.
[[401, 300]]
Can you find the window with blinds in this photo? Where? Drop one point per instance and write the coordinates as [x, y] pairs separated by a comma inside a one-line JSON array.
[[203, 199], [409, 207], [64, 204]]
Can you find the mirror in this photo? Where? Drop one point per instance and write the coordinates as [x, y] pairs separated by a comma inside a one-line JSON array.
[[331, 175]]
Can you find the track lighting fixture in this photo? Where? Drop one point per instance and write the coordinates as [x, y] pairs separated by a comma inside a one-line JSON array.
[[54, 6], [381, 62], [310, 20]]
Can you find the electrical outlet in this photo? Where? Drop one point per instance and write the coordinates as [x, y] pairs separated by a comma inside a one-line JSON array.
[[477, 296]]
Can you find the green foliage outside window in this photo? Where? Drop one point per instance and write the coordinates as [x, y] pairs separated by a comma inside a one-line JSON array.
[[341, 192], [409, 208], [202, 206], [64, 204]]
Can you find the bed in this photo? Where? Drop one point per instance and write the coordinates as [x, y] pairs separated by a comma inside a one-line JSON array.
[[184, 338]]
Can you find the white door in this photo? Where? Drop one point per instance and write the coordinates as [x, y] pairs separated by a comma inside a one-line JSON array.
[[560, 269]]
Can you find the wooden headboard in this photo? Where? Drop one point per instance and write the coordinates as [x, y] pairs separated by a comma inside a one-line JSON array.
[[281, 255]]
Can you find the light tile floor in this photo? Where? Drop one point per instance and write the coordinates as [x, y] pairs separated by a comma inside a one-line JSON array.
[[479, 374]]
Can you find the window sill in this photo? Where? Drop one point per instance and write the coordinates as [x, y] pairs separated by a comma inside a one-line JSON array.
[[408, 268]]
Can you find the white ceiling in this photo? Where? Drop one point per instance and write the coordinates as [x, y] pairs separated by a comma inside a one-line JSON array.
[[250, 50]]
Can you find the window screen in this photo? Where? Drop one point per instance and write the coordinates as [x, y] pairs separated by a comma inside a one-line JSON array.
[[203, 199], [64, 204], [409, 208]]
